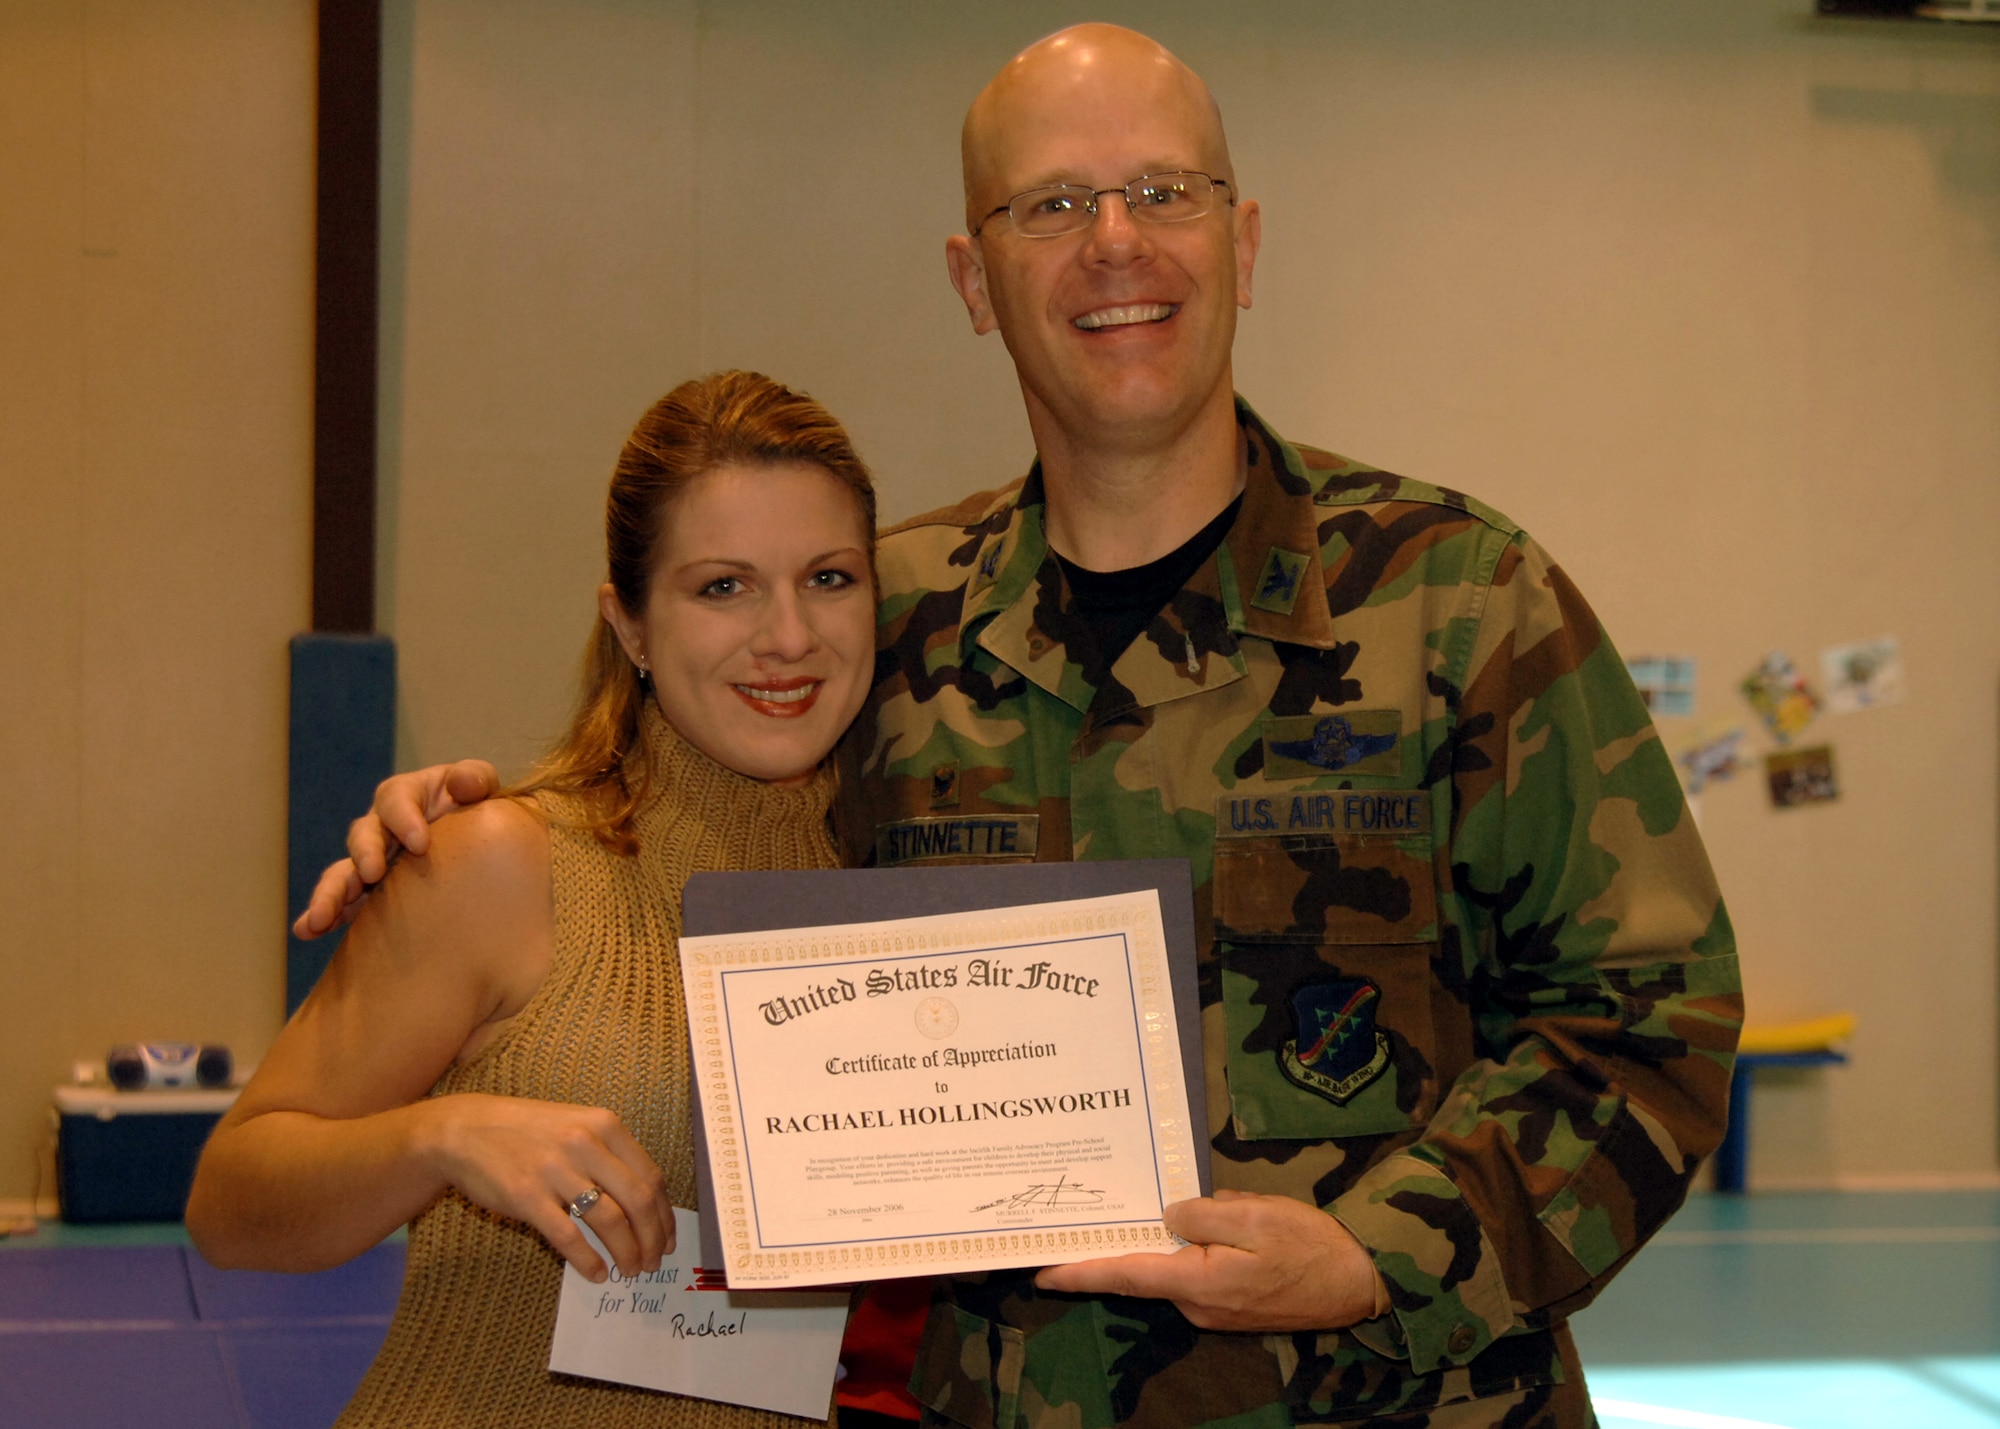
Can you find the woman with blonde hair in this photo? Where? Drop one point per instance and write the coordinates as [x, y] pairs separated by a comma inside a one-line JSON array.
[[498, 1050]]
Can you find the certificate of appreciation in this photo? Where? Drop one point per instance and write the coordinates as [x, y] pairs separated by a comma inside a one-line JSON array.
[[966, 1091]]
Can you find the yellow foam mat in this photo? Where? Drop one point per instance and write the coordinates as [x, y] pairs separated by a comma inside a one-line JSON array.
[[1817, 1035]]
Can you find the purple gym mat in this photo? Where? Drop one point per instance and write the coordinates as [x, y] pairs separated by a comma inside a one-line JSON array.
[[118, 1283], [154, 1335], [299, 1377], [366, 1285], [163, 1379]]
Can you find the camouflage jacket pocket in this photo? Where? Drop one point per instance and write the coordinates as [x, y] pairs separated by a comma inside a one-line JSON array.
[[1334, 1379], [984, 1374], [968, 1369], [1325, 945], [1088, 1364]]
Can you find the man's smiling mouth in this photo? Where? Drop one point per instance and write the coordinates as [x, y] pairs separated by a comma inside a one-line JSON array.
[[1126, 315]]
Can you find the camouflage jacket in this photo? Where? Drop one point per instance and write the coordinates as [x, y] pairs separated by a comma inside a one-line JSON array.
[[1467, 981]]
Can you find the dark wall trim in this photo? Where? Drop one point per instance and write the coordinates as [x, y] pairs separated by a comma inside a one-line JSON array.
[[344, 357]]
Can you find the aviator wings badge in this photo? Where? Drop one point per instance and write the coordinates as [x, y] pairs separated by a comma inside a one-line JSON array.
[[1332, 741], [1339, 1049]]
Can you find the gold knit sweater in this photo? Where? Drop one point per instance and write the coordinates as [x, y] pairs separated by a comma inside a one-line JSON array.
[[469, 1345]]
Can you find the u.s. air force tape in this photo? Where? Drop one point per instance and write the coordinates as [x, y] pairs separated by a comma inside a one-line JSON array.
[[1387, 813], [1014, 836]]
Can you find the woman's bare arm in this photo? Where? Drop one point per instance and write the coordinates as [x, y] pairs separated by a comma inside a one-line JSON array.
[[334, 1143]]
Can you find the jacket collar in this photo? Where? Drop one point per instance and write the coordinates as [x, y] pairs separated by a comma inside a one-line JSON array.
[[1264, 580]]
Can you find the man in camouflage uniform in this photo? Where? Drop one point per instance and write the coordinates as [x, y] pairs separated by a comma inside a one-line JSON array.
[[1430, 824], [1467, 984], [1469, 995]]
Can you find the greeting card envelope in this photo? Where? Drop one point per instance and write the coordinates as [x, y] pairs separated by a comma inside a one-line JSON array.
[[680, 1329]]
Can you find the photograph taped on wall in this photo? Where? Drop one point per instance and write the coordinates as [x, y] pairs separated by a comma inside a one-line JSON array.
[[1862, 675], [1712, 759], [1780, 695], [1665, 683], [1801, 776]]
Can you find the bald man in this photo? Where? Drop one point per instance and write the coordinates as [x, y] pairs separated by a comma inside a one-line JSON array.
[[1469, 991]]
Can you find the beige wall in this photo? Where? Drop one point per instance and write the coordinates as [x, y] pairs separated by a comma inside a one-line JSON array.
[[1707, 295], [155, 469]]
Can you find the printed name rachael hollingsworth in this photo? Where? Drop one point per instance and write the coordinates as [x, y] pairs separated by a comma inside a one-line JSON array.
[[940, 1113], [1040, 976]]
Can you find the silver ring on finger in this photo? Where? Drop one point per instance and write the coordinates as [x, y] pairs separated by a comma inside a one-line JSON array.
[[584, 1200]]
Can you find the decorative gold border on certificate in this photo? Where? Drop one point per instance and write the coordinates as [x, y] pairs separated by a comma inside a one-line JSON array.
[[1136, 915]]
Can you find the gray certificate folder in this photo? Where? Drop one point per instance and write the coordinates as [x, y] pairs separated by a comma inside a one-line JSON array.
[[762, 901]]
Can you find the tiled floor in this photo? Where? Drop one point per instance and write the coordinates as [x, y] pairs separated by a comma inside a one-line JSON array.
[[1769, 1312], [1806, 1312]]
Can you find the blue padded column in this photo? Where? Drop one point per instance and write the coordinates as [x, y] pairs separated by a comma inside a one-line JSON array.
[[1732, 1157], [343, 745]]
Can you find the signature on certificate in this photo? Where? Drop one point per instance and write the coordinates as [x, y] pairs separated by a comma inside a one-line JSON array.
[[1048, 1195]]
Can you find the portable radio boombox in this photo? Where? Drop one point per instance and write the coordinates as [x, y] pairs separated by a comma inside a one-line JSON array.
[[139, 1066]]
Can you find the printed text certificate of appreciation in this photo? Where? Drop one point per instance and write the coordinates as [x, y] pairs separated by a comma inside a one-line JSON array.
[[963, 1092]]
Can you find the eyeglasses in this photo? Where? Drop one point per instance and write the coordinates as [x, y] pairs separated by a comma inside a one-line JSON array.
[[1068, 208]]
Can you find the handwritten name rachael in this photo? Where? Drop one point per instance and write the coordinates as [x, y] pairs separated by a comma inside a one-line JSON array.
[[1042, 977]]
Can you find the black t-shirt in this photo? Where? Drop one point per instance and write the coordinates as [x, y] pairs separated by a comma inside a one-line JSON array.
[[1115, 605]]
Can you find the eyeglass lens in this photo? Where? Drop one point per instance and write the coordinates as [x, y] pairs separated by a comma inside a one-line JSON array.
[[1155, 198]]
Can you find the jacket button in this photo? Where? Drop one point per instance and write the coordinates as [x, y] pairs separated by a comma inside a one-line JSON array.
[[1461, 1340]]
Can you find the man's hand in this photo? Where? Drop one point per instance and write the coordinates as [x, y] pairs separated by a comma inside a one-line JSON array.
[[1258, 1263], [406, 805]]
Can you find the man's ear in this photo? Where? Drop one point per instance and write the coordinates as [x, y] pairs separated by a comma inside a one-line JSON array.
[[966, 262], [631, 634], [1249, 235]]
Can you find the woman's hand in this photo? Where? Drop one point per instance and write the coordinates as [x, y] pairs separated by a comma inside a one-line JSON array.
[[405, 807], [528, 1160]]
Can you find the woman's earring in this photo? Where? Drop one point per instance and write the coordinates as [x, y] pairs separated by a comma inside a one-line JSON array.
[[645, 673]]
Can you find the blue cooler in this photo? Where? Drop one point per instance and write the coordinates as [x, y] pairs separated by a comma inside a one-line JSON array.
[[130, 1156]]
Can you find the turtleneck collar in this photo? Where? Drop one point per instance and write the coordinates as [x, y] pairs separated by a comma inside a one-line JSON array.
[[684, 778]]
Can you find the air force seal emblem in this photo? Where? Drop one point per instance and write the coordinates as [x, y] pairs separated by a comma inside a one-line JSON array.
[[1338, 1050]]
